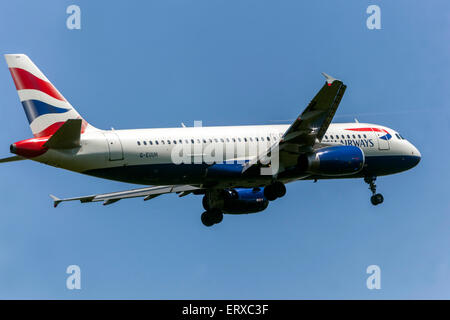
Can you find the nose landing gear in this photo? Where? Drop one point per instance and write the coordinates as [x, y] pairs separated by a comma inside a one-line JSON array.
[[376, 198]]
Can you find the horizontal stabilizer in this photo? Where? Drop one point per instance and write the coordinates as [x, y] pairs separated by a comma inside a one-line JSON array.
[[329, 78], [10, 159], [67, 137], [56, 200]]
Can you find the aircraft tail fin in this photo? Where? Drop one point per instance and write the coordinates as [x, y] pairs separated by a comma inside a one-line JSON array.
[[45, 107]]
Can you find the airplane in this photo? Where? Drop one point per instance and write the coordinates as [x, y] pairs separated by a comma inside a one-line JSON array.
[[236, 169]]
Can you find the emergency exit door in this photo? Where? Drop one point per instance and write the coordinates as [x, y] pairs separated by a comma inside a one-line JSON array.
[[114, 146]]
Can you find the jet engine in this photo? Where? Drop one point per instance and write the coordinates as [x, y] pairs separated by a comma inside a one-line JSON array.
[[237, 200], [333, 161]]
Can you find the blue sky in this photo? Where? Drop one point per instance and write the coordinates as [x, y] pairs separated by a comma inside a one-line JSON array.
[[137, 64]]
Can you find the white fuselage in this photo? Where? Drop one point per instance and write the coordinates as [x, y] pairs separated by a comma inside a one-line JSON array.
[[153, 149]]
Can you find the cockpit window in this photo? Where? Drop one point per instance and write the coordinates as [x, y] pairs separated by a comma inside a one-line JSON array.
[[398, 135]]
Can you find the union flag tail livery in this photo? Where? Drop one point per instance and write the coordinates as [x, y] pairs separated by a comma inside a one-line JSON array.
[[236, 169], [45, 107]]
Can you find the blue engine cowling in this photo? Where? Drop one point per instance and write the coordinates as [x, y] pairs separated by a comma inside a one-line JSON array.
[[333, 161], [244, 200]]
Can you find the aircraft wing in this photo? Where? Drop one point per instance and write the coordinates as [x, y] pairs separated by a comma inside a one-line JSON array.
[[148, 193], [309, 128]]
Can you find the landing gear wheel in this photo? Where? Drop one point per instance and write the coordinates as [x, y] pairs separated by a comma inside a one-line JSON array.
[[206, 219], [269, 192], [216, 215], [280, 189], [212, 217], [274, 190], [376, 199], [205, 203]]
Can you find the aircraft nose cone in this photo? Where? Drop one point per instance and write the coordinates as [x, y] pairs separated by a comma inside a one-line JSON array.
[[416, 160], [13, 148], [416, 156], [417, 152]]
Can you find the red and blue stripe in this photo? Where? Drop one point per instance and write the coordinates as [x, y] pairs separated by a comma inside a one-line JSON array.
[[24, 80], [387, 136]]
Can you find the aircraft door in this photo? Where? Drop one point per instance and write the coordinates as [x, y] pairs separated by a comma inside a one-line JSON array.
[[114, 146], [383, 139]]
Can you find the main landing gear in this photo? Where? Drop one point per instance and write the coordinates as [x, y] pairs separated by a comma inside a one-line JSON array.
[[376, 198], [274, 190], [213, 214], [211, 217]]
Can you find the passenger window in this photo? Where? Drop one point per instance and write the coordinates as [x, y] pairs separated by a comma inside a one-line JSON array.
[[198, 140], [239, 139], [234, 140], [348, 136], [174, 141], [245, 139], [331, 137], [168, 141], [353, 136], [162, 142], [221, 140], [326, 137], [145, 143], [192, 141], [180, 141], [139, 143], [204, 140], [342, 136], [228, 140], [151, 142], [268, 138]]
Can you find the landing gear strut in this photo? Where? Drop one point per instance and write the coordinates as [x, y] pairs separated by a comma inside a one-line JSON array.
[[376, 198], [274, 190]]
